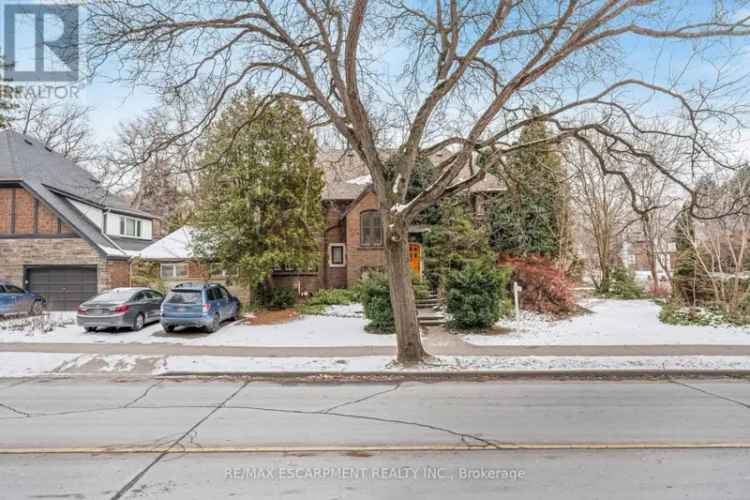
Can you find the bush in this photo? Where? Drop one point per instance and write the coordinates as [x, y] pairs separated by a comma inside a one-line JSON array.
[[333, 296], [676, 313], [546, 289], [277, 298], [622, 285], [376, 301], [328, 297], [374, 293], [474, 295]]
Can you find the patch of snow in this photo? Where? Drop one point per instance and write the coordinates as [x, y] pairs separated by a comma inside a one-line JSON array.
[[176, 245], [345, 311], [23, 364], [319, 331], [29, 364], [361, 181], [207, 364], [399, 208], [611, 322]]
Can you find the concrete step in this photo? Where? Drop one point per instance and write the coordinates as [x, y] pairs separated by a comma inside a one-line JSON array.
[[428, 306], [432, 322], [428, 317]]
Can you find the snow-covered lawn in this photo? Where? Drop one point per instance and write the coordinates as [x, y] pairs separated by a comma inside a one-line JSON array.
[[612, 322], [307, 331], [25, 364]]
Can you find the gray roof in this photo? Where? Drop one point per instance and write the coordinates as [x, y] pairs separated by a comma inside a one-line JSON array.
[[53, 178], [346, 176]]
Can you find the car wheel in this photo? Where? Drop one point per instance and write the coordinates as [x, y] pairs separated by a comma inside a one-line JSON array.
[[169, 329], [138, 323], [90, 328], [214, 324], [36, 308]]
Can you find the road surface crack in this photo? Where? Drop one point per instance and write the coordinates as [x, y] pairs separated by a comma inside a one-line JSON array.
[[461, 435], [15, 410], [709, 393], [349, 403], [143, 395], [178, 442]]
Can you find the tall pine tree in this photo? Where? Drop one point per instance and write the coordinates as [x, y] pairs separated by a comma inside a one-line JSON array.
[[531, 216], [260, 202]]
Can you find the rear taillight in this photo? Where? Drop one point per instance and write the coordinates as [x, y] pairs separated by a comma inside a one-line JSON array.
[[206, 308], [121, 309], [81, 310]]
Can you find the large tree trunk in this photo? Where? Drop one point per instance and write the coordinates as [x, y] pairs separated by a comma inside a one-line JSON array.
[[408, 338]]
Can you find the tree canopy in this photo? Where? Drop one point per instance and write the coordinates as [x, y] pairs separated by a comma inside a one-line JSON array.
[[260, 192], [529, 217]]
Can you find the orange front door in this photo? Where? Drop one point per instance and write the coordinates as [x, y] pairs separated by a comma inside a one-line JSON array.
[[415, 257]]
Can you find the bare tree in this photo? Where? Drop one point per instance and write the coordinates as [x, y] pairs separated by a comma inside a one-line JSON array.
[[61, 126], [423, 76], [720, 247], [603, 207], [156, 178]]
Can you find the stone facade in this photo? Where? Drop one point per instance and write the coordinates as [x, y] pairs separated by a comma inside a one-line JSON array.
[[31, 234], [18, 253]]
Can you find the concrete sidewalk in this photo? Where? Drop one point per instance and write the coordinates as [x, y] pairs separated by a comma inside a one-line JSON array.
[[461, 349]]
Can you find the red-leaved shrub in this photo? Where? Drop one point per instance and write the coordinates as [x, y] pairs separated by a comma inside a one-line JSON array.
[[546, 289]]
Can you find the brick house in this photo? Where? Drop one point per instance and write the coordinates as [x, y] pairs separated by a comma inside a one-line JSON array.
[[61, 233], [352, 242]]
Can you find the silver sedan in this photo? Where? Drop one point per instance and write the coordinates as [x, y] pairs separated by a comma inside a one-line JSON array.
[[121, 308]]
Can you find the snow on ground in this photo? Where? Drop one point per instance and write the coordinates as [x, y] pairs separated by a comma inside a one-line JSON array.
[[318, 331], [345, 311], [29, 364], [15, 364], [213, 364], [612, 322]]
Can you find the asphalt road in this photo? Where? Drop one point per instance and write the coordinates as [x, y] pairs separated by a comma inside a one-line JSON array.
[[520, 439]]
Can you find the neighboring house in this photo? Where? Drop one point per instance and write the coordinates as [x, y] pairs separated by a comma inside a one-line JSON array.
[[61, 233], [637, 258], [177, 263]]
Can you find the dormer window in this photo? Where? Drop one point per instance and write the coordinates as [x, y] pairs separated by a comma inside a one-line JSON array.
[[131, 227]]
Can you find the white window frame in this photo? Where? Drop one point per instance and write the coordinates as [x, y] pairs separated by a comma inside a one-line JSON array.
[[137, 227], [173, 266], [343, 254]]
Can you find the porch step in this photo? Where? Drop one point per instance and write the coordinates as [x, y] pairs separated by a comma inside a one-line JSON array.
[[427, 305], [432, 322]]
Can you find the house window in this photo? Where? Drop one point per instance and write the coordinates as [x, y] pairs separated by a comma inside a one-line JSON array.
[[131, 227], [371, 229], [174, 270], [337, 255]]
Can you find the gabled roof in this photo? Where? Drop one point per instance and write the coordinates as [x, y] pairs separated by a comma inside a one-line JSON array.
[[174, 246], [55, 179], [346, 176]]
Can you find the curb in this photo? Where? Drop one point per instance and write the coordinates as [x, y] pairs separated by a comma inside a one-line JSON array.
[[369, 376]]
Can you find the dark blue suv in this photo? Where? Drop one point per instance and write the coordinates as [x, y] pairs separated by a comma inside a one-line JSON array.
[[202, 305]]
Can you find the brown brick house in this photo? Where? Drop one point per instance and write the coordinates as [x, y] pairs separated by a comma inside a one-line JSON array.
[[352, 242], [61, 233]]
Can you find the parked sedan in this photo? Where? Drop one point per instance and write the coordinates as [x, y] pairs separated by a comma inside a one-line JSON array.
[[121, 308], [16, 300]]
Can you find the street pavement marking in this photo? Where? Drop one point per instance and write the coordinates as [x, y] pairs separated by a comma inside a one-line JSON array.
[[377, 448]]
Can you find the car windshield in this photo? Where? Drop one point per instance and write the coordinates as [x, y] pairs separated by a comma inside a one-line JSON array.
[[114, 296], [184, 297]]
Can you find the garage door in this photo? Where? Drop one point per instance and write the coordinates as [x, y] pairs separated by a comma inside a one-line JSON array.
[[64, 287]]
